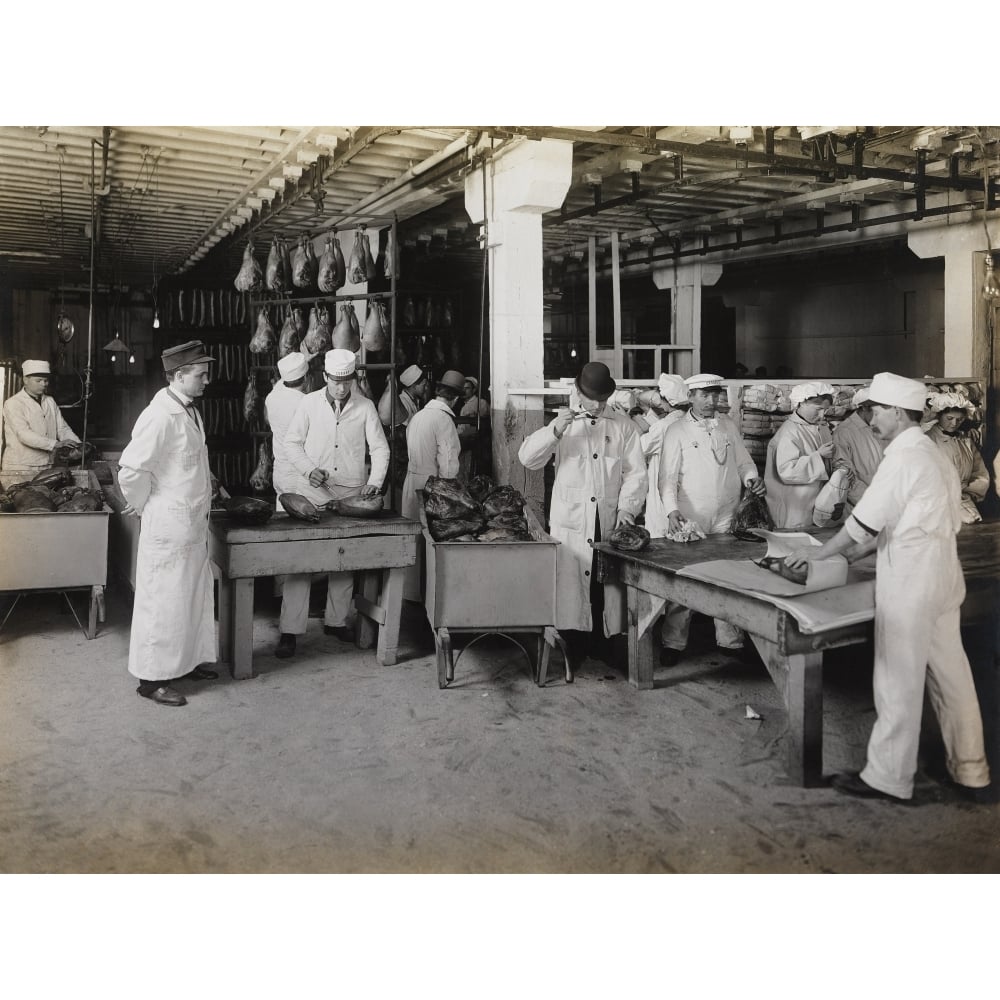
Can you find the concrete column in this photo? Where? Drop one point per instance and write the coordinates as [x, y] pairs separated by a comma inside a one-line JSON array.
[[685, 282], [522, 181]]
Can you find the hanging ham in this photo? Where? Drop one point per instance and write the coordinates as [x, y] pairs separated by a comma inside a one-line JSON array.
[[317, 338], [251, 402], [274, 274], [374, 338], [288, 339], [263, 338], [356, 272], [370, 271], [338, 256], [261, 478], [353, 317], [286, 263], [363, 385], [327, 278], [344, 335], [249, 279], [388, 261], [304, 264]]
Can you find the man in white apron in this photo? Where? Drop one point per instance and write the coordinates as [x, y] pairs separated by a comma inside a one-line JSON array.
[[673, 397], [164, 477], [600, 483], [704, 465], [325, 444], [912, 512], [433, 447], [280, 404], [32, 424]]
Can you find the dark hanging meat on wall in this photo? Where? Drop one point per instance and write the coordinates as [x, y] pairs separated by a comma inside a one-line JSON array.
[[274, 273], [370, 271], [249, 279], [344, 336], [388, 260], [299, 318], [374, 338], [288, 339], [338, 255], [364, 386], [317, 338], [251, 402], [304, 264], [261, 478], [327, 278], [263, 338], [286, 263], [356, 272], [353, 317]]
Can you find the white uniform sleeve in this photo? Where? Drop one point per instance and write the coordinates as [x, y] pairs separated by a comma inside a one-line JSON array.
[[792, 466], [16, 425], [537, 448], [745, 465], [295, 442], [64, 432], [378, 447], [635, 481], [448, 449], [882, 502], [977, 486], [138, 462], [670, 467]]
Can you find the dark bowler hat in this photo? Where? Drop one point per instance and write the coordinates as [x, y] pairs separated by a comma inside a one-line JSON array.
[[184, 354], [595, 381], [452, 380]]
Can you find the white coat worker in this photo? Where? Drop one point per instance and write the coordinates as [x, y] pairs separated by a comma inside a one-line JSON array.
[[600, 483], [433, 447], [856, 448], [473, 410], [413, 387], [800, 457], [33, 427], [325, 444], [703, 467], [280, 405], [911, 512], [667, 405], [950, 411], [165, 479]]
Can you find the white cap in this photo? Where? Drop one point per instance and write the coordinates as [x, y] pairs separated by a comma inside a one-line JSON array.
[[704, 381], [35, 368], [859, 397], [894, 390], [411, 376], [672, 389], [340, 363], [293, 366], [806, 390], [939, 401]]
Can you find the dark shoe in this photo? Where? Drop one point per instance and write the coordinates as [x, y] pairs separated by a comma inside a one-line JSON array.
[[342, 632], [670, 657], [202, 673], [162, 695], [852, 784], [286, 646], [987, 795]]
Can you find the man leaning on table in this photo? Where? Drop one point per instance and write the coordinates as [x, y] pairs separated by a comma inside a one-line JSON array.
[[325, 443], [912, 512]]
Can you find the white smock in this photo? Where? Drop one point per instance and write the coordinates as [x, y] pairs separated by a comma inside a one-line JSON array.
[[320, 436], [703, 467], [433, 446], [164, 475], [971, 469], [280, 405], [31, 430], [599, 472], [856, 446], [794, 474], [913, 506], [651, 442]]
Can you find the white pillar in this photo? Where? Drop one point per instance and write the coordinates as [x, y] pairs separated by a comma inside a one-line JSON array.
[[685, 281], [522, 181]]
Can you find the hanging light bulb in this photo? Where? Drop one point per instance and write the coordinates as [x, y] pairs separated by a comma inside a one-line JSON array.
[[114, 358], [572, 353], [156, 319], [991, 287], [131, 359]]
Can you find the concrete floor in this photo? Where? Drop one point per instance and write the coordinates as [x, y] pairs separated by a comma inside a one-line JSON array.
[[332, 763]]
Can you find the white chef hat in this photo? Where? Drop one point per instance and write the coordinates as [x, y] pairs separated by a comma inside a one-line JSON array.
[[705, 381], [340, 363], [622, 399], [895, 390], [860, 396], [672, 388], [35, 368], [806, 390], [939, 401], [293, 366], [411, 376]]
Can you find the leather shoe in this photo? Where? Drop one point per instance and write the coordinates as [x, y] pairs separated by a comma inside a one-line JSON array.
[[202, 673], [163, 695], [853, 784], [987, 795], [670, 657], [342, 632], [286, 646]]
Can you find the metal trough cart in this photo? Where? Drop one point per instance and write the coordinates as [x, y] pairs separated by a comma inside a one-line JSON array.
[[493, 588], [49, 551]]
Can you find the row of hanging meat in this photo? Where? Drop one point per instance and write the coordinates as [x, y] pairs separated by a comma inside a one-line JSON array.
[[301, 269], [318, 335], [237, 466], [205, 307]]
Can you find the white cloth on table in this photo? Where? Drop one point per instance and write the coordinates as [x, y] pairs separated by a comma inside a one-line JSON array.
[[599, 472], [164, 475], [913, 505], [793, 472], [31, 430]]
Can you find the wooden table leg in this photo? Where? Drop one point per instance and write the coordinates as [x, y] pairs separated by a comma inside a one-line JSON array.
[[392, 604], [799, 678], [225, 620], [365, 629], [640, 647], [242, 637]]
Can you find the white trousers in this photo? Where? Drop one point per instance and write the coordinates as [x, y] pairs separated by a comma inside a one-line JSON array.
[[295, 600], [910, 649]]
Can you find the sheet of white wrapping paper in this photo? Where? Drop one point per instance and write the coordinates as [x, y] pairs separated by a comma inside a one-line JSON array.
[[822, 574]]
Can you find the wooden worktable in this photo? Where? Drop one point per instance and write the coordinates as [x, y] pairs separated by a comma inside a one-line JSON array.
[[793, 659], [379, 548]]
